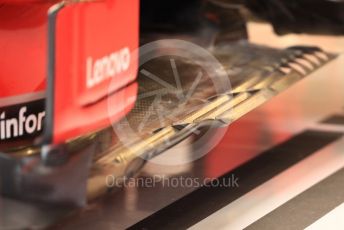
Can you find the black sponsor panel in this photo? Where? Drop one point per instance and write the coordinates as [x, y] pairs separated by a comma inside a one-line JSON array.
[[20, 124]]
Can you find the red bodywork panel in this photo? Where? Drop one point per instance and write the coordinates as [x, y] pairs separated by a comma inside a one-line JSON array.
[[93, 43], [23, 45]]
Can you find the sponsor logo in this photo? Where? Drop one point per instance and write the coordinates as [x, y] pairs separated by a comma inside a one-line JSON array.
[[24, 124], [106, 67]]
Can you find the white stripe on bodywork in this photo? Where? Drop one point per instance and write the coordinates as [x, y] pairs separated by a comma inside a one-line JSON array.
[[23, 98]]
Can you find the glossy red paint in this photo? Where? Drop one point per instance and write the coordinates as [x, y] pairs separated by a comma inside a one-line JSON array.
[[90, 39], [94, 45], [23, 48]]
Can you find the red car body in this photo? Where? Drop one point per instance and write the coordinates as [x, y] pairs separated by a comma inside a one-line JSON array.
[[61, 62]]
